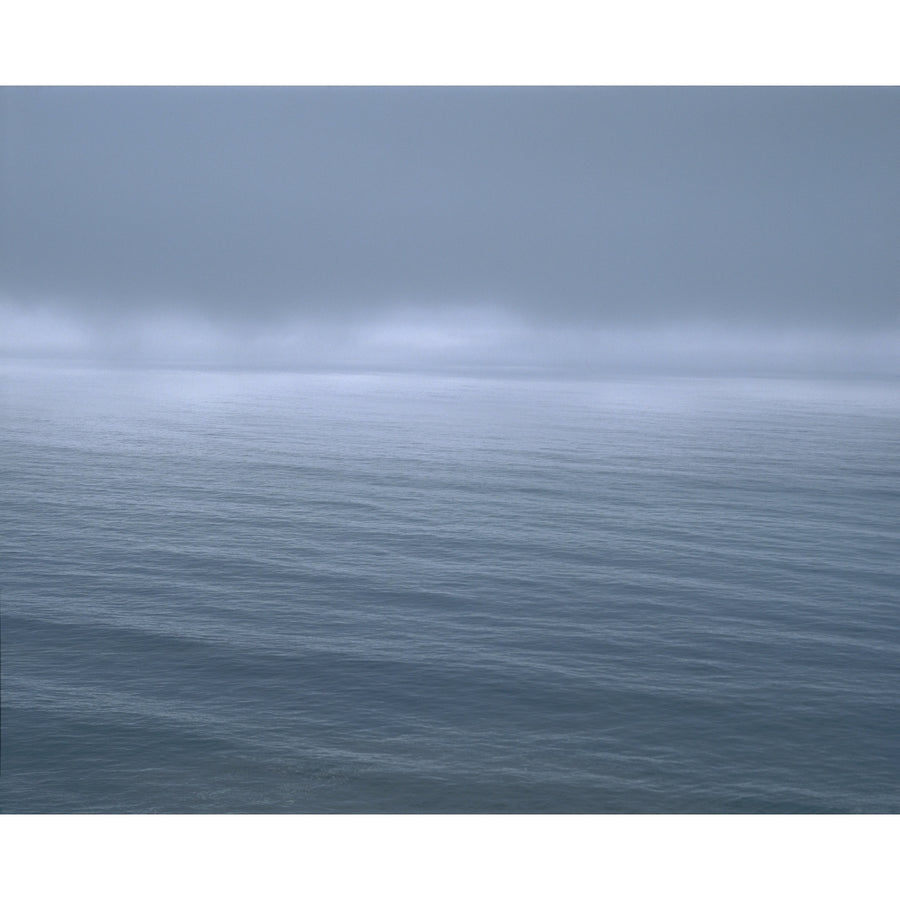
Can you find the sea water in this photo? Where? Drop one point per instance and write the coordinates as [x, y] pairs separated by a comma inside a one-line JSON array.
[[358, 592]]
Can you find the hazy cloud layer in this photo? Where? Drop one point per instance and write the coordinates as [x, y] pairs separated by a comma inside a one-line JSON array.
[[492, 224]]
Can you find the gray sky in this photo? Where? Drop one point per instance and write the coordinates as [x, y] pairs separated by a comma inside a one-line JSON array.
[[560, 208]]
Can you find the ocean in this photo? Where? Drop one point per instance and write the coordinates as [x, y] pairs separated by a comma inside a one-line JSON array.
[[313, 592]]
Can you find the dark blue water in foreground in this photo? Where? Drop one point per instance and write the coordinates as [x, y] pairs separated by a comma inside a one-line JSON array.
[[233, 592]]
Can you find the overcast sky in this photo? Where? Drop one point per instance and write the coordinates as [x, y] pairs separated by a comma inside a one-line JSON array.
[[579, 209]]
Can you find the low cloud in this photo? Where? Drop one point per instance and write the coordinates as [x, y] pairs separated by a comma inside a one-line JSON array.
[[458, 337]]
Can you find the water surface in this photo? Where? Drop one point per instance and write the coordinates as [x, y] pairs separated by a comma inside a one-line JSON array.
[[299, 592]]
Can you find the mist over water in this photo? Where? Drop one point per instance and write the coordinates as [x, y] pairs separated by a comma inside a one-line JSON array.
[[495, 450], [457, 339]]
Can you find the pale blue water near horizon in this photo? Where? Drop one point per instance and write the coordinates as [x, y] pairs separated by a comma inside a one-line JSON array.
[[321, 592]]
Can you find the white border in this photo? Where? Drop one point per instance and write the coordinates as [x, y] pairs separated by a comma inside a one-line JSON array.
[[450, 856], [343, 42]]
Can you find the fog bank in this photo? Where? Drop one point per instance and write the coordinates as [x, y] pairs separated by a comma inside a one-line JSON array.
[[467, 338]]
